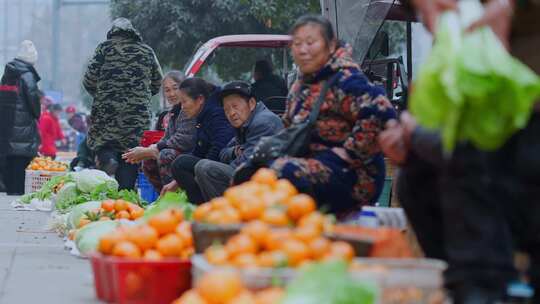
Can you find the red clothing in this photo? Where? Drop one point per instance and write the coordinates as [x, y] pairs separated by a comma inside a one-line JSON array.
[[50, 131]]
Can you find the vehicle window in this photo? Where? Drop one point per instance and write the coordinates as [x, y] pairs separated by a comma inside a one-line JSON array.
[[230, 64]]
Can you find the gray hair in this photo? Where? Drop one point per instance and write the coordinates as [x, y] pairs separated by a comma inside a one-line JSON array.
[[177, 76]]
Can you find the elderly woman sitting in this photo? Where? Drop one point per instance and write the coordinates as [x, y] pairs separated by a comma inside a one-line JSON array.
[[178, 139]]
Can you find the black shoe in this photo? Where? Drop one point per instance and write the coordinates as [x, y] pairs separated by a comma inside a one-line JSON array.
[[110, 167]]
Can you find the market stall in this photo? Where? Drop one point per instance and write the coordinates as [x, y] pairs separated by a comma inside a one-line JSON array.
[[270, 241]]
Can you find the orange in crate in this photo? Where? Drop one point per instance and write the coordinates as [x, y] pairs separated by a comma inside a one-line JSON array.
[[149, 261]]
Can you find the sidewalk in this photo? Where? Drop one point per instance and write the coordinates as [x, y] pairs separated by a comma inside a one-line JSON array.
[[34, 267]]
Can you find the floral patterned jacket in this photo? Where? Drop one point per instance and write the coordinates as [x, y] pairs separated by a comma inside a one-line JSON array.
[[351, 117]]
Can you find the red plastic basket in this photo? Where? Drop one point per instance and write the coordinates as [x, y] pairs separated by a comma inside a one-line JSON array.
[[137, 281], [151, 137], [103, 278]]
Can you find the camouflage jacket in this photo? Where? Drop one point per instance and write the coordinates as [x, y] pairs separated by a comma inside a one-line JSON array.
[[122, 76]]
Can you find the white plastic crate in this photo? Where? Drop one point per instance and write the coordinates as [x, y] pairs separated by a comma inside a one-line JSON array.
[[35, 179]]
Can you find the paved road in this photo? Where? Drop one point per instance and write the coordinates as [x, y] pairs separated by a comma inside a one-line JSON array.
[[34, 266]]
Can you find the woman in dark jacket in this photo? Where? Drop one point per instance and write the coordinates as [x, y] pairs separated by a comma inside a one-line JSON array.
[[199, 99], [19, 112]]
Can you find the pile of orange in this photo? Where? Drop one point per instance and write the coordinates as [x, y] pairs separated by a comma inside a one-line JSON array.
[[264, 197], [257, 245], [112, 210], [225, 287], [165, 235], [47, 164]]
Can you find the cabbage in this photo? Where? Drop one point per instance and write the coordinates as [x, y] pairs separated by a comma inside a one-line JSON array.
[[471, 88], [67, 194], [78, 211], [87, 238], [89, 179], [329, 283], [47, 189], [171, 200]]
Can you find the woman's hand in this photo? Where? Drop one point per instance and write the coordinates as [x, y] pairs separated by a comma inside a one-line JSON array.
[[498, 16], [409, 125], [392, 142], [430, 10], [396, 139], [137, 154], [170, 187]]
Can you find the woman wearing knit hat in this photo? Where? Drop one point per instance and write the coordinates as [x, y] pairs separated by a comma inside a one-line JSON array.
[[19, 112]]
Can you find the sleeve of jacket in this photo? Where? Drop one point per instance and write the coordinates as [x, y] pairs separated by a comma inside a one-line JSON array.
[[264, 127], [367, 108], [182, 139], [59, 133], [227, 154], [221, 133], [162, 143], [91, 75], [31, 93], [427, 145], [157, 75]]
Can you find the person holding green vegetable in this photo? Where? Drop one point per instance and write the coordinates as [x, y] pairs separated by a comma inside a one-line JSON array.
[[474, 208]]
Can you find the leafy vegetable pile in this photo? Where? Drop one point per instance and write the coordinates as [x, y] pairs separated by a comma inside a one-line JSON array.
[[78, 212], [81, 187], [87, 238], [171, 200], [47, 189], [471, 88], [328, 283]]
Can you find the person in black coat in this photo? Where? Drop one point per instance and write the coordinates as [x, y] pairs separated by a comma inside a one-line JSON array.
[[19, 111], [473, 208], [267, 84], [200, 99]]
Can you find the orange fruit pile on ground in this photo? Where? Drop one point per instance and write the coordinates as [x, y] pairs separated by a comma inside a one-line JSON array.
[[47, 164], [264, 197], [165, 235], [113, 210], [257, 245], [225, 287]]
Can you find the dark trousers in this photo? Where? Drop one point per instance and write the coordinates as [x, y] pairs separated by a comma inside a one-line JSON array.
[[477, 238], [516, 184], [475, 210], [457, 219], [183, 171], [418, 191], [14, 173], [125, 174]]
